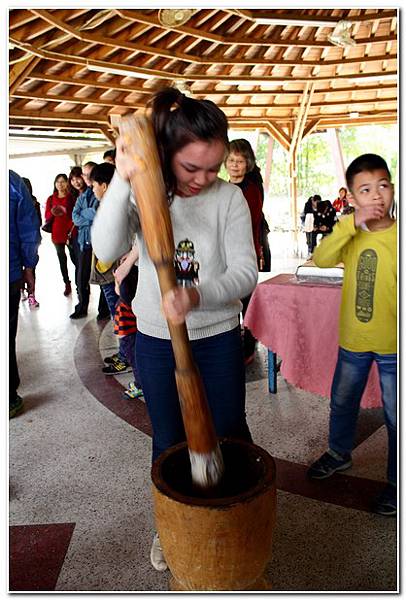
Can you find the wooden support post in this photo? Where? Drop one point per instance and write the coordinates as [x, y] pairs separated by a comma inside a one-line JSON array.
[[293, 152], [334, 141], [268, 165]]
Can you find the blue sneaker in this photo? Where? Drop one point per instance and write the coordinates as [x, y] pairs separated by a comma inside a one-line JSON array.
[[132, 392], [328, 464], [387, 503]]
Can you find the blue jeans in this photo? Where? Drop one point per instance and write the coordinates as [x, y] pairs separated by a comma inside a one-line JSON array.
[[111, 299], [127, 347], [350, 378], [219, 359]]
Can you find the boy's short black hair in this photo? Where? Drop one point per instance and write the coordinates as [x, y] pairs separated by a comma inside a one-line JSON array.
[[110, 153], [365, 162], [102, 173]]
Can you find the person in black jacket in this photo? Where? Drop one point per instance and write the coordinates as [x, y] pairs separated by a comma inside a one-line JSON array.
[[310, 208], [325, 218]]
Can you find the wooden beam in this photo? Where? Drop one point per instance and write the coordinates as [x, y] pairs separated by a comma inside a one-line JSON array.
[[24, 121], [93, 81], [20, 71], [278, 134], [58, 116], [91, 100], [299, 117], [334, 141], [268, 164], [311, 126], [109, 135], [305, 115], [88, 149], [77, 100], [264, 124], [170, 75]]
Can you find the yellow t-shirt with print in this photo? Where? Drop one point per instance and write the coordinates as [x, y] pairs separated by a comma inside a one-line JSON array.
[[368, 312]]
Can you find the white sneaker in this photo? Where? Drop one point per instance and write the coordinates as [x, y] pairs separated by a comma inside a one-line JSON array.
[[157, 556]]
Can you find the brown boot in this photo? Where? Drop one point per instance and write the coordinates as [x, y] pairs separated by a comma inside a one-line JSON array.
[[68, 289]]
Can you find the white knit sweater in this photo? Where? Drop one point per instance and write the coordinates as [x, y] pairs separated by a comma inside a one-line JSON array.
[[217, 222]]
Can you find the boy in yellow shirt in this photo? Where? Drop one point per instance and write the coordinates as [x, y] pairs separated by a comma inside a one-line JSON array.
[[366, 242]]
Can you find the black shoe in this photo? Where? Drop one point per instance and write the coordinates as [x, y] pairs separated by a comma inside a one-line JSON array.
[[78, 315], [116, 368], [109, 360], [386, 503], [330, 462]]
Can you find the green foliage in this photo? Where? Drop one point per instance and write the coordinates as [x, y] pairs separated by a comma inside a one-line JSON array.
[[377, 139], [316, 168]]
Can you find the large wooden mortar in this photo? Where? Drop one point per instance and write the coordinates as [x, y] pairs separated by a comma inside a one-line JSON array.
[[221, 542]]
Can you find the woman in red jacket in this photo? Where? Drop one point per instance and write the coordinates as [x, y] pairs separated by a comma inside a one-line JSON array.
[[59, 208], [244, 172]]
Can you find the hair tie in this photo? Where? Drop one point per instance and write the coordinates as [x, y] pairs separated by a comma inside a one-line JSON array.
[[179, 101]]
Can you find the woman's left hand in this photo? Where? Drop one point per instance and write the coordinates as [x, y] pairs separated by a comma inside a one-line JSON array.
[[178, 302], [58, 210]]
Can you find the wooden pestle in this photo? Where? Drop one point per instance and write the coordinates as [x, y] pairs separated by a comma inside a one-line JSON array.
[[149, 189]]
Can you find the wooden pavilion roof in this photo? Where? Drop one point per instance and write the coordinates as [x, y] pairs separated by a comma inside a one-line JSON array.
[[76, 70]]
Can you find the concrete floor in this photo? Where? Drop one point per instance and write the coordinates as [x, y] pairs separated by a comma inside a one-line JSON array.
[[79, 466]]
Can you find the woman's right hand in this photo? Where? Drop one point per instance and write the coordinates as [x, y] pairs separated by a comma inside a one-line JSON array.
[[125, 164], [178, 302]]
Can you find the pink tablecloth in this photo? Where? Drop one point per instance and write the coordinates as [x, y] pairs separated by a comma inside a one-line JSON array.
[[299, 321]]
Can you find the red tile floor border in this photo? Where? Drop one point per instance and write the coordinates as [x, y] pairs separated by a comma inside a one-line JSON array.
[[341, 489], [105, 388], [36, 554]]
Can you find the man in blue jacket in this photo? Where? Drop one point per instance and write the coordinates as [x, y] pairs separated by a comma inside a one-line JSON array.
[[83, 214], [24, 239]]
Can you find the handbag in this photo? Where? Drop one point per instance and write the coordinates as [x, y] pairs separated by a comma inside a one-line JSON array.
[[71, 234], [47, 227]]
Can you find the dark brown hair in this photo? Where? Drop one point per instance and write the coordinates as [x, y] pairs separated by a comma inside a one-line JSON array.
[[75, 172], [178, 121]]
